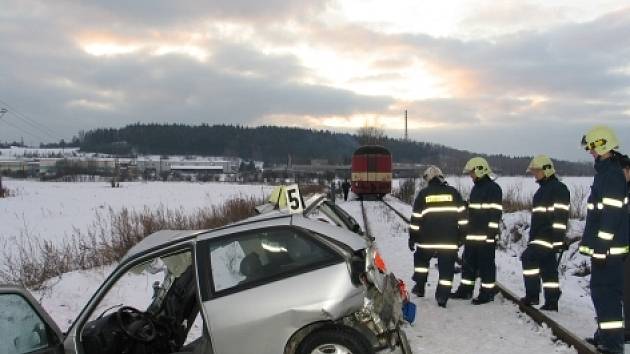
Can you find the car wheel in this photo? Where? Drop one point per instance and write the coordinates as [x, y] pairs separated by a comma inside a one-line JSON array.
[[335, 341]]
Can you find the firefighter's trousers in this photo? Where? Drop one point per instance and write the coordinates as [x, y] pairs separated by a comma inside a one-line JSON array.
[[539, 264], [607, 294], [446, 267], [626, 297], [478, 260]]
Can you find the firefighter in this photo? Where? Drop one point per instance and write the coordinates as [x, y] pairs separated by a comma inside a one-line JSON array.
[[434, 232], [333, 191], [484, 214], [550, 216], [345, 187], [625, 163], [605, 238]]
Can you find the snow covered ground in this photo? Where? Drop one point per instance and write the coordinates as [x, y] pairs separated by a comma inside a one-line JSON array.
[[576, 309], [497, 327], [54, 210]]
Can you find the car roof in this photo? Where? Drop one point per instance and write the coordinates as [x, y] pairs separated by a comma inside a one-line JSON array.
[[165, 238]]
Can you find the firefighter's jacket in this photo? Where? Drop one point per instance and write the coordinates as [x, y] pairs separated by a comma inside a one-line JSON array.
[[550, 214], [484, 211], [606, 231], [438, 212]]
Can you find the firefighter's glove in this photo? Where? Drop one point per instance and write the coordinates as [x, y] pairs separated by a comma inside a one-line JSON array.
[[412, 245]]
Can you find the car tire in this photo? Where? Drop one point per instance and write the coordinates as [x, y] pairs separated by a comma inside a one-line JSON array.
[[335, 341]]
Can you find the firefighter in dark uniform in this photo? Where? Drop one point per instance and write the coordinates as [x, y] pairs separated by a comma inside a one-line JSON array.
[[550, 216], [605, 238], [625, 163], [434, 232], [484, 214]]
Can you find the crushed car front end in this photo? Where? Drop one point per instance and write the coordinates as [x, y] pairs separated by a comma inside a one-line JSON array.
[[385, 297], [378, 314]]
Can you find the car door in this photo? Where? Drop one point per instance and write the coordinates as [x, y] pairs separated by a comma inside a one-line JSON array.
[[262, 285], [25, 327]]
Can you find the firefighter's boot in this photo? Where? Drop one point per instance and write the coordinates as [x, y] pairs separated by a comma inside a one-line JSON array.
[[530, 301], [418, 290], [462, 293], [550, 306], [483, 298]]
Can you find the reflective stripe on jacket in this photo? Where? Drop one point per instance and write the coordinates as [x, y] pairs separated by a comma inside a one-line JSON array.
[[438, 213], [606, 230], [550, 213], [485, 208]]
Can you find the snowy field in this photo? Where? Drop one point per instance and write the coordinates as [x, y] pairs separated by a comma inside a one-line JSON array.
[[53, 210], [522, 187]]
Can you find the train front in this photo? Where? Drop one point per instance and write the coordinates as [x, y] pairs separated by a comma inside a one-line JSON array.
[[371, 171]]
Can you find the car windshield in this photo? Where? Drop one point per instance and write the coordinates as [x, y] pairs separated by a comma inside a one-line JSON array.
[[326, 213], [145, 285]]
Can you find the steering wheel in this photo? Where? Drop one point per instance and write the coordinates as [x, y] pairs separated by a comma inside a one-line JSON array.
[[136, 324]]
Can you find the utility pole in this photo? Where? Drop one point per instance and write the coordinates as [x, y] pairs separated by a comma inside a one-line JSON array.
[[3, 111], [406, 130]]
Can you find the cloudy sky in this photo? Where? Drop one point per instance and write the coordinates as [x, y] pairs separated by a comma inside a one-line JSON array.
[[514, 77]]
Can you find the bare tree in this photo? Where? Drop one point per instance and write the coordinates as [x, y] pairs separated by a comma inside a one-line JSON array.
[[370, 135]]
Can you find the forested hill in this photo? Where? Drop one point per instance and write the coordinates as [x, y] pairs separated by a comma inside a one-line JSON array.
[[274, 144]]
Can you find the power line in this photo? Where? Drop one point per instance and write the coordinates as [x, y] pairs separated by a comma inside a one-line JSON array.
[[40, 132], [33, 134], [37, 125]]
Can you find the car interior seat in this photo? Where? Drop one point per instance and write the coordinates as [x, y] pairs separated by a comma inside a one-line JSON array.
[[251, 266]]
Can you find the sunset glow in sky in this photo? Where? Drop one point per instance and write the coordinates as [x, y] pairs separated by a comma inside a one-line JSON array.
[[513, 77]]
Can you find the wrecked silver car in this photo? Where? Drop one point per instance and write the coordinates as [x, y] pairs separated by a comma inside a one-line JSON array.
[[271, 284]]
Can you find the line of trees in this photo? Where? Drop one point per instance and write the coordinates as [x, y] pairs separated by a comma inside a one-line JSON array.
[[278, 145]]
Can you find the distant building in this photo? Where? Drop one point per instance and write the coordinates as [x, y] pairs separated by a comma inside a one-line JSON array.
[[48, 162]]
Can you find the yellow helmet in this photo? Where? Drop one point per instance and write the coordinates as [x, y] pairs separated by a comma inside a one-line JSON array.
[[600, 138], [479, 165], [543, 163]]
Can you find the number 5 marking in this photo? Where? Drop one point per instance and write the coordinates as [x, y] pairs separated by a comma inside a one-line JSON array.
[[294, 199]]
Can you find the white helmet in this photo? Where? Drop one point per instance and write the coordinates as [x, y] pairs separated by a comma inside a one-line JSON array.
[[432, 172]]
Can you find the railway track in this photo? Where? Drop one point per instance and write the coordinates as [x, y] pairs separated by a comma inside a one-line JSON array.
[[562, 333]]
